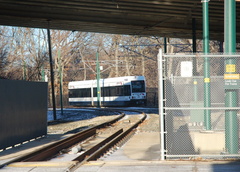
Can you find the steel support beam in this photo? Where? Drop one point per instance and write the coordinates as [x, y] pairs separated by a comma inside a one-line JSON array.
[[165, 45], [207, 89], [231, 120], [194, 44], [161, 104], [194, 47]]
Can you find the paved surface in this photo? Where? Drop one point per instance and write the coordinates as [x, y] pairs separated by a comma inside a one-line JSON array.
[[142, 154], [139, 154], [160, 166], [142, 146]]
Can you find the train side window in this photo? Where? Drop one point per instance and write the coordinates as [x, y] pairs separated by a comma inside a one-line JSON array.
[[74, 93], [83, 92], [71, 93], [95, 92], [105, 91], [80, 93], [119, 91], [112, 91], [89, 92], [126, 90], [86, 92]]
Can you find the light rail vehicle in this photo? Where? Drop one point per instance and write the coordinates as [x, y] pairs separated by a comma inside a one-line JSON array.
[[118, 91]]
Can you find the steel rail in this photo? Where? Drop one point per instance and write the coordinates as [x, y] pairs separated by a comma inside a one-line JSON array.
[[99, 149], [40, 153], [50, 150], [97, 146], [116, 140], [48, 153]]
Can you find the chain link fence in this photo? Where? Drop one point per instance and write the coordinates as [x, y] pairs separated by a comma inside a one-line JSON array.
[[200, 109]]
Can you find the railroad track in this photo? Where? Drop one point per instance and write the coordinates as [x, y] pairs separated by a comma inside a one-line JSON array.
[[98, 140]]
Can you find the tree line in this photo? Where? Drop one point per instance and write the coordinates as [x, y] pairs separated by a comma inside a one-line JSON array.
[[24, 56]]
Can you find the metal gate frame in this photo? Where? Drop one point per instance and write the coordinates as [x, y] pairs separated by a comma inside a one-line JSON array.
[[162, 101]]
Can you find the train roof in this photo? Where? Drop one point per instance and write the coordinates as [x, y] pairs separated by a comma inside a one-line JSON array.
[[115, 79]]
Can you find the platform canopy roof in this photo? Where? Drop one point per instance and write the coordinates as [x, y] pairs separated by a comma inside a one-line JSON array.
[[164, 18]]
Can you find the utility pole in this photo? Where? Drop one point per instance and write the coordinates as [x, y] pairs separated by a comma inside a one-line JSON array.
[[42, 74], [116, 57], [60, 72], [52, 74], [98, 82]]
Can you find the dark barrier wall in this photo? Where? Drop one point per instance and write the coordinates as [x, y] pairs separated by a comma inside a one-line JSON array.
[[23, 111]]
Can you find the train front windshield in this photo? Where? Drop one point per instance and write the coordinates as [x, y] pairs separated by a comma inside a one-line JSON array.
[[138, 86]]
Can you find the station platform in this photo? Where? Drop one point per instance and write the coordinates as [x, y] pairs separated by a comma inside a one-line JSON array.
[[142, 154], [160, 166]]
